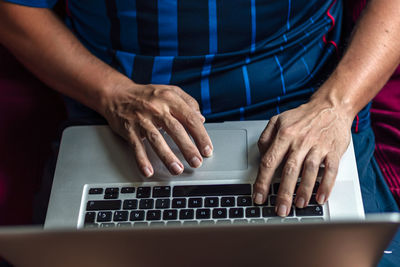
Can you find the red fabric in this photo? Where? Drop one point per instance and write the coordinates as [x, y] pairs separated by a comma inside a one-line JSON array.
[[29, 117], [385, 115], [385, 120]]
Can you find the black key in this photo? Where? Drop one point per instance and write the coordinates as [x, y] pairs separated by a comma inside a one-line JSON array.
[[211, 202], [236, 213], [227, 201], [162, 203], [143, 192], [103, 205], [137, 215], [120, 216], [275, 186], [90, 217], [130, 204], [127, 190], [153, 215], [272, 200], [316, 186], [203, 214], [291, 213], [104, 216], [112, 190], [212, 190], [179, 203], [310, 211], [186, 214], [195, 202], [253, 212], [95, 191], [244, 201], [107, 225], [268, 212], [161, 191], [146, 203], [313, 200], [170, 215], [219, 213], [111, 196]]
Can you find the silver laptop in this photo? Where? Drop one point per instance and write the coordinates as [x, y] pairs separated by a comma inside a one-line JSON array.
[[97, 184], [330, 244]]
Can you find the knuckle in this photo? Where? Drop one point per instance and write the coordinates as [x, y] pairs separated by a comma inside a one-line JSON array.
[[305, 189], [261, 186], [268, 161], [287, 132], [167, 94], [331, 166], [311, 164], [153, 136], [290, 167], [284, 195], [261, 143], [191, 121]]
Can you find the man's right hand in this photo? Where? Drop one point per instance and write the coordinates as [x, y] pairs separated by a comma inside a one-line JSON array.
[[139, 111], [134, 111]]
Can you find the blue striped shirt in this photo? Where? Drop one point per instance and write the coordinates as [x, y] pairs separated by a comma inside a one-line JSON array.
[[240, 59]]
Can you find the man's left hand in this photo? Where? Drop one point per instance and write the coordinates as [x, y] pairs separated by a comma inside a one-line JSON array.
[[301, 139]]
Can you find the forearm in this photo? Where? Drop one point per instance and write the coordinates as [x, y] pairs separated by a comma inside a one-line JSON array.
[[46, 47], [370, 59]]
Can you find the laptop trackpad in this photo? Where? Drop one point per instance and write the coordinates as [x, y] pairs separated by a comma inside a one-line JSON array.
[[230, 153]]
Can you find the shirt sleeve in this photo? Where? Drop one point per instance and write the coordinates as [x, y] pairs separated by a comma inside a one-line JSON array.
[[34, 3]]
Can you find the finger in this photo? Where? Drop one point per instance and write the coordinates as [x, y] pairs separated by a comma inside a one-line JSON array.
[[268, 164], [308, 177], [191, 102], [290, 175], [193, 123], [161, 147], [328, 178], [266, 135], [178, 133], [187, 98], [139, 150]]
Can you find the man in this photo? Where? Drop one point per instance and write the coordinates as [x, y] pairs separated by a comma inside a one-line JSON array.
[[145, 65]]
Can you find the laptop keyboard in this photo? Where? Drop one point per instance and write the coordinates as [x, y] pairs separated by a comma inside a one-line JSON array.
[[131, 206]]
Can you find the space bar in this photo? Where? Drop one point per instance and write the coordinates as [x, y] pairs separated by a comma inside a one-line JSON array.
[[211, 190]]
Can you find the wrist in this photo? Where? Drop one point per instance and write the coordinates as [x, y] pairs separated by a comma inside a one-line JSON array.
[[111, 90], [337, 94]]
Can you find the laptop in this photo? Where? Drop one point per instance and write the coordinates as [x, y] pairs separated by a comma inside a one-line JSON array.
[[339, 243], [98, 185]]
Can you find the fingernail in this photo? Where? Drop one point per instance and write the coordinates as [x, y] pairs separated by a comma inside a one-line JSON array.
[[258, 199], [207, 151], [147, 171], [300, 202], [321, 199], [195, 162], [282, 210], [176, 168]]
